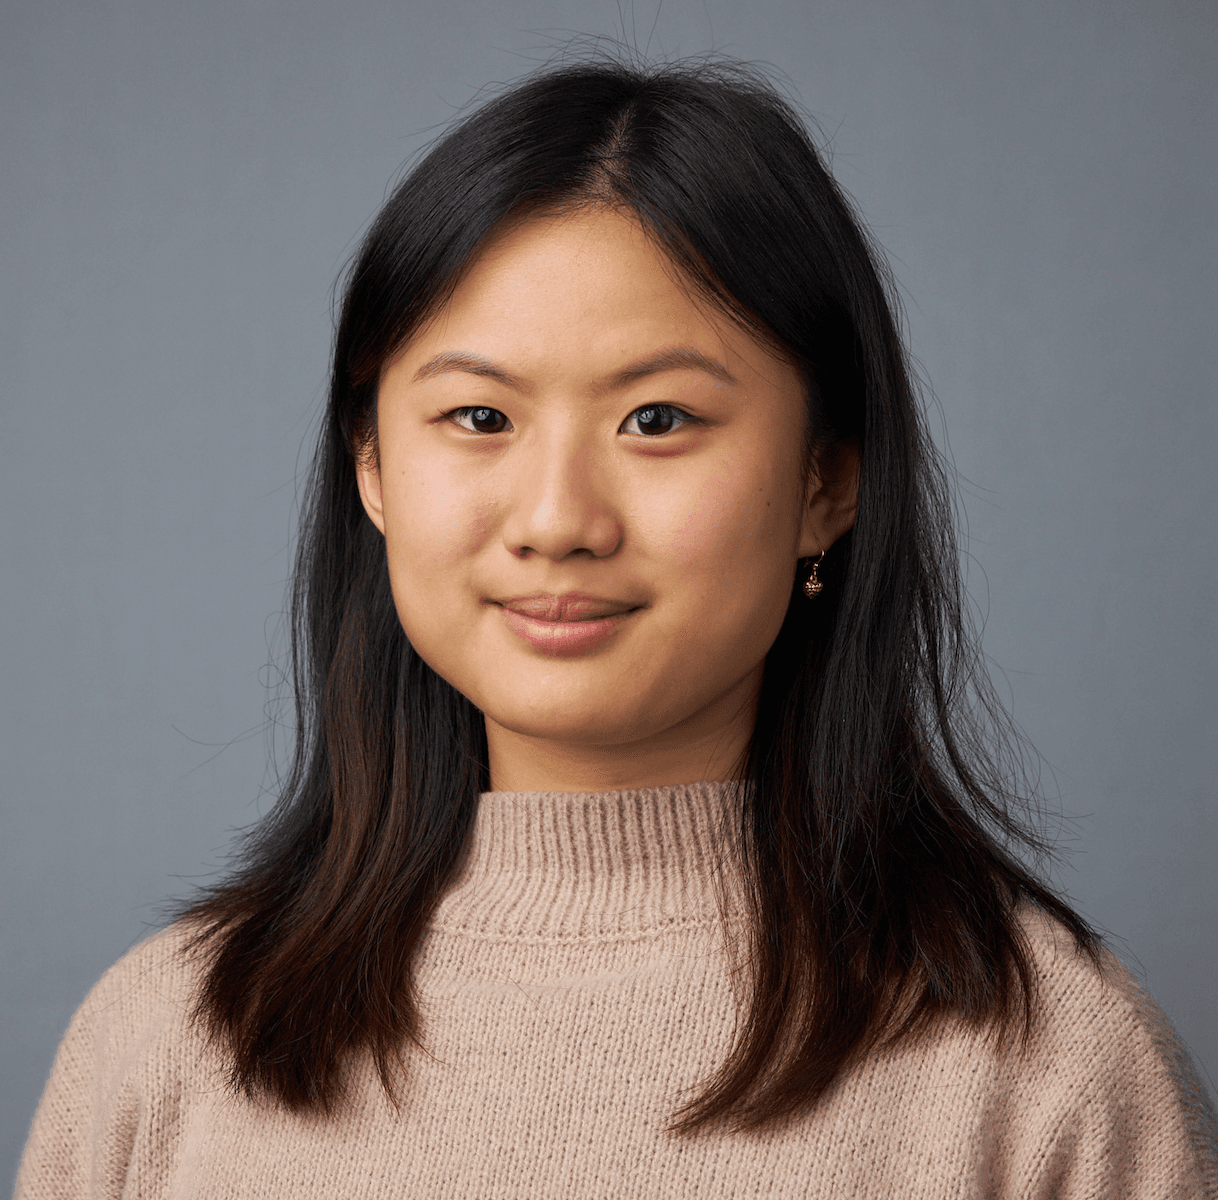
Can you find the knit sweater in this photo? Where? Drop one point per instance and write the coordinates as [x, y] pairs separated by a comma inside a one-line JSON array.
[[576, 992]]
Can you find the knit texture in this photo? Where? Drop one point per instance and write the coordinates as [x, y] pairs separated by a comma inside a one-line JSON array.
[[576, 988]]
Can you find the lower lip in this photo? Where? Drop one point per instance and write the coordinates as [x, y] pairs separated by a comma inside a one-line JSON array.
[[564, 637]]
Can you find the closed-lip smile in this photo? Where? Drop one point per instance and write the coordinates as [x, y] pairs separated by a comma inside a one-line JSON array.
[[570, 606], [566, 624]]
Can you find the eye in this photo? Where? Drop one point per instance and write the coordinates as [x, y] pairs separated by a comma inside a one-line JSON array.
[[655, 419], [480, 420]]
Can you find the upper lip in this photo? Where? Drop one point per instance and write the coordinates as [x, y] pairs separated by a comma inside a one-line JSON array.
[[570, 606]]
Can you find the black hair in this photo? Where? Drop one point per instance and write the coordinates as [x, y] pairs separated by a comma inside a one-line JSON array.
[[876, 817]]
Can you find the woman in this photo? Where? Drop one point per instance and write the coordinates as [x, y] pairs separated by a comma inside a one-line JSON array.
[[646, 830]]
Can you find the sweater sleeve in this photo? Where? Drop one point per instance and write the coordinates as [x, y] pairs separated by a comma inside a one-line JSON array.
[[1114, 1106], [107, 1115]]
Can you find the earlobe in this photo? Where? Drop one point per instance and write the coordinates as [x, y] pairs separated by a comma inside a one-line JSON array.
[[368, 478]]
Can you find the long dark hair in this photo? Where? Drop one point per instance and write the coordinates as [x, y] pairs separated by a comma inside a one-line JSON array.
[[877, 801]]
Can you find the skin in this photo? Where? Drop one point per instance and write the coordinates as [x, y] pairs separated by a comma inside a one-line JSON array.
[[517, 463]]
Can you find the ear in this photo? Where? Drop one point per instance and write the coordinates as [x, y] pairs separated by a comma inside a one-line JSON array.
[[832, 500], [368, 478]]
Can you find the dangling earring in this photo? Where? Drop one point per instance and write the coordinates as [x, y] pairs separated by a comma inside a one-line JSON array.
[[813, 586]]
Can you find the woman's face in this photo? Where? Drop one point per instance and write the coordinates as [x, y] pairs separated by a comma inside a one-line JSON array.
[[590, 488]]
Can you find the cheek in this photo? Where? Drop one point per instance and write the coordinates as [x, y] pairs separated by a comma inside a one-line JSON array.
[[727, 552], [739, 519], [434, 525], [434, 513]]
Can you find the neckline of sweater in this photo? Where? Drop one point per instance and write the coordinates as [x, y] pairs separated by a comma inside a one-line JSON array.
[[592, 866]]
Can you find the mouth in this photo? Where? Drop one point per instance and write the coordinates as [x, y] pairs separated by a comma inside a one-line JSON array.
[[568, 624], [570, 606]]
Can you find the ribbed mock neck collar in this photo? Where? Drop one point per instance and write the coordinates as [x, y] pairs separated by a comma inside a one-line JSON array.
[[562, 866]]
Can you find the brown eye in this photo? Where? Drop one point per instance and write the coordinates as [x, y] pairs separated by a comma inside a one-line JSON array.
[[655, 419], [481, 420]]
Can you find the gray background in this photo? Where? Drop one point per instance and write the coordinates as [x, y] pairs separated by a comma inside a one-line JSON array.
[[182, 183]]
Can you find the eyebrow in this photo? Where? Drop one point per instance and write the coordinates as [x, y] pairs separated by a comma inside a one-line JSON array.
[[471, 364], [675, 358]]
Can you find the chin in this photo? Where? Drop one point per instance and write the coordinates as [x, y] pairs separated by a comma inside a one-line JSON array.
[[588, 728], [607, 712]]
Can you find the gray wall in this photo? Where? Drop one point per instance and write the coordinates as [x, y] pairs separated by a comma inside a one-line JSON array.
[[181, 184]]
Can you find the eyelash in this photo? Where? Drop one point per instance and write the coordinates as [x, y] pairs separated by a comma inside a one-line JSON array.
[[677, 415]]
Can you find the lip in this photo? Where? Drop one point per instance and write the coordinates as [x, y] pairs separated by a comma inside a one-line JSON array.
[[565, 624]]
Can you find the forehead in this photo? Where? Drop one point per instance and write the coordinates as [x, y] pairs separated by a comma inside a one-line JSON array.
[[584, 292], [587, 266]]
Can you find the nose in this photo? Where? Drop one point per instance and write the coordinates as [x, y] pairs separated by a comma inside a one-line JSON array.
[[560, 504]]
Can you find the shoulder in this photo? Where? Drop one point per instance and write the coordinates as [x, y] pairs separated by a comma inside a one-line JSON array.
[[154, 970], [137, 1023], [152, 986], [1085, 1005], [1105, 1068], [130, 1060]]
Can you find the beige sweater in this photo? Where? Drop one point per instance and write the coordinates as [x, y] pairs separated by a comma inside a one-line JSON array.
[[575, 984]]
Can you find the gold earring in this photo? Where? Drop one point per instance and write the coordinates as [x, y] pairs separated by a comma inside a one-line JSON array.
[[813, 586]]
